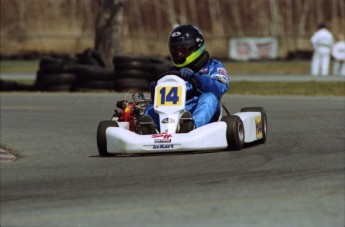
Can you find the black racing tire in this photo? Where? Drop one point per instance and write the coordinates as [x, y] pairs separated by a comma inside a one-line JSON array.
[[133, 73], [234, 132], [56, 79], [102, 138], [129, 58], [158, 60], [91, 72], [92, 57], [144, 65], [125, 84], [47, 61], [158, 69], [140, 62], [135, 64], [52, 65], [263, 120]]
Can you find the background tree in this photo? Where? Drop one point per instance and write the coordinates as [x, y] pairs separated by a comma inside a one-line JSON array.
[[109, 29]]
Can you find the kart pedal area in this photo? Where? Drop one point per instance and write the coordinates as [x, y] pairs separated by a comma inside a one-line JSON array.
[[147, 125], [186, 123]]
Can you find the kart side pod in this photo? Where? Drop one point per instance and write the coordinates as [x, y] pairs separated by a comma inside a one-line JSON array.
[[247, 126], [255, 124]]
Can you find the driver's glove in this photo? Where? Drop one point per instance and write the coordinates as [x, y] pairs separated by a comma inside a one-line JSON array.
[[186, 73]]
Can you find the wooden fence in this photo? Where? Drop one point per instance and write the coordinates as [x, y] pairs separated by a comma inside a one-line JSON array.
[[67, 26]]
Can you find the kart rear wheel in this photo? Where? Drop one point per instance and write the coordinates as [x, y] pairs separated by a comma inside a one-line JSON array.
[[234, 132], [102, 138], [263, 120]]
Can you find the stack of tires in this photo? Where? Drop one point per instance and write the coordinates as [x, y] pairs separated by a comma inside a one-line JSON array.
[[92, 74], [136, 72], [93, 78], [86, 72], [52, 76]]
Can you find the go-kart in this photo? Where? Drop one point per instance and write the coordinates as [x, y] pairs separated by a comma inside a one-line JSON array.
[[123, 133]]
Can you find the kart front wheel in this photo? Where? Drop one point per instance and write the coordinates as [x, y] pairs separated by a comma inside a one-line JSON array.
[[102, 137], [234, 132]]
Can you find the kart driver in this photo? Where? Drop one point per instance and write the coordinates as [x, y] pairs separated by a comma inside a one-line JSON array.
[[188, 53]]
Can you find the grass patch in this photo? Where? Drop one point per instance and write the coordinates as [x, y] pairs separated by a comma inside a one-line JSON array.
[[268, 67], [25, 82], [234, 67], [288, 88], [19, 66]]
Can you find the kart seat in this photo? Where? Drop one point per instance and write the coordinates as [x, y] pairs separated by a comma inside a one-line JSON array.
[[219, 113]]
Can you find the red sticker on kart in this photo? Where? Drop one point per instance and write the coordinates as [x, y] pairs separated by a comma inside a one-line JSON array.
[[168, 96]]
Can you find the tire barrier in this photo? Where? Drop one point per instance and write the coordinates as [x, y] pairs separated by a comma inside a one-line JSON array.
[[137, 71], [91, 57], [128, 83], [92, 78], [54, 81], [87, 72]]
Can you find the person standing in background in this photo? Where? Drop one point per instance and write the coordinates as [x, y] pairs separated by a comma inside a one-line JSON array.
[[322, 41], [338, 53]]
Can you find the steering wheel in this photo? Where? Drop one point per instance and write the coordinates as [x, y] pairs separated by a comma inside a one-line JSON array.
[[177, 73]]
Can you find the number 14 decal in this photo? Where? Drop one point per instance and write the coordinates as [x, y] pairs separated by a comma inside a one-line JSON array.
[[169, 96]]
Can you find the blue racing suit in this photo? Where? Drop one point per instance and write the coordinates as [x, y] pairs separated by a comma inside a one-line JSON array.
[[212, 80]]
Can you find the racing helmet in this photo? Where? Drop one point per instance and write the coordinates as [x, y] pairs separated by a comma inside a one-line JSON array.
[[186, 44]]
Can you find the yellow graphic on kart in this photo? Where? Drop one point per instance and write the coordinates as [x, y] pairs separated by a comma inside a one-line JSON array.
[[258, 125], [168, 96]]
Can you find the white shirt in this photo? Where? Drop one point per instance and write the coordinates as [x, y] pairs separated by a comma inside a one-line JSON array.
[[338, 51], [322, 40]]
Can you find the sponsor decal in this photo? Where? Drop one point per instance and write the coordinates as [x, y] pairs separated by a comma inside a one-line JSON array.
[[203, 71], [258, 127], [163, 135], [198, 41], [174, 34], [162, 138], [163, 146], [246, 48], [168, 120], [222, 79], [222, 71]]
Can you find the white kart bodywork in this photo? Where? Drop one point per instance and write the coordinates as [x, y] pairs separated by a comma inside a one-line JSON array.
[[250, 122], [208, 137], [212, 136]]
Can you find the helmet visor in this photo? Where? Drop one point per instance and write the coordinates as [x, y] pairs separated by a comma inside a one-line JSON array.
[[181, 50]]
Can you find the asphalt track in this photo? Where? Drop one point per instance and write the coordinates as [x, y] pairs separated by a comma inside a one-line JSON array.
[[295, 179]]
